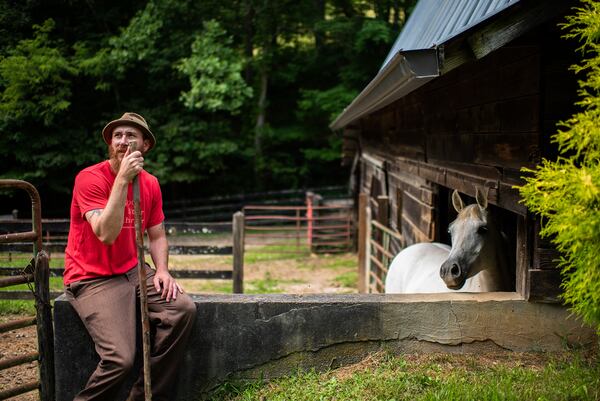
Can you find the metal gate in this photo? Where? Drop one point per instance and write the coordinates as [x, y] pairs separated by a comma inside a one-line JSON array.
[[37, 272], [298, 229]]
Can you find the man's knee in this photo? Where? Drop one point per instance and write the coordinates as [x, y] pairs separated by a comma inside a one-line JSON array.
[[120, 362], [187, 308]]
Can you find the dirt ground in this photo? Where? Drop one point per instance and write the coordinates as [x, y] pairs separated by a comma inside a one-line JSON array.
[[12, 344], [307, 275]]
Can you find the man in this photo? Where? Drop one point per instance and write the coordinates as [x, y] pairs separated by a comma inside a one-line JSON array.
[[101, 275]]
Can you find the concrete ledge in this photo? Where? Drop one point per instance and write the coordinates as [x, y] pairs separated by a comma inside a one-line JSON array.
[[248, 336]]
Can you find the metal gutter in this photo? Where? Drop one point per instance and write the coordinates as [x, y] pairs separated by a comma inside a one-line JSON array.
[[405, 72]]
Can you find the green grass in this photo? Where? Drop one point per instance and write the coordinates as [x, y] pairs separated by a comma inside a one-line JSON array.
[[17, 307], [56, 284], [348, 279], [266, 253], [396, 378], [25, 307], [268, 285], [193, 286], [22, 260]]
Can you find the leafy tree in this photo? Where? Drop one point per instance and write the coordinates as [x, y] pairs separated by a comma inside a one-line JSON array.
[[36, 79], [566, 192], [214, 70], [253, 95]]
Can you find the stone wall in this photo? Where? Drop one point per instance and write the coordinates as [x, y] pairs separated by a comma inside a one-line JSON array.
[[249, 336]]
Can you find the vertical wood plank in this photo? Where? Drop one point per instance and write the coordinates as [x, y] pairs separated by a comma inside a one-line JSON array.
[[238, 253], [45, 331], [383, 203], [367, 258], [363, 241], [523, 259]]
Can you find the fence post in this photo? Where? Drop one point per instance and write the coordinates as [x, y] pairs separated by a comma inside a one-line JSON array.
[[369, 237], [309, 219], [238, 253], [382, 217], [45, 332], [363, 242]]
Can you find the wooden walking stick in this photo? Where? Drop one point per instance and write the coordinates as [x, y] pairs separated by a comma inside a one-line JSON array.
[[139, 239]]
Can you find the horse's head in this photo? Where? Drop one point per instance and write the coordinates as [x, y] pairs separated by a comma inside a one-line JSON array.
[[471, 234]]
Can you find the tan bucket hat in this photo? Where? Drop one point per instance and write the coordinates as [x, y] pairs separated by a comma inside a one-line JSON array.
[[129, 119]]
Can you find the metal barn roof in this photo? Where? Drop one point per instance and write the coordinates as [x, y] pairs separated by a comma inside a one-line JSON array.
[[432, 23]]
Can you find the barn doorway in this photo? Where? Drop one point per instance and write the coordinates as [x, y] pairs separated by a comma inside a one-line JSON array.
[[506, 220]]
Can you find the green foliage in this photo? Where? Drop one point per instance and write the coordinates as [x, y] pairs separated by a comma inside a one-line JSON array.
[[214, 71], [35, 79], [372, 33], [324, 105], [196, 71], [566, 192]]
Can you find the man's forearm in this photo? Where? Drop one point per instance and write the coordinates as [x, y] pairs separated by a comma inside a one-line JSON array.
[[159, 250]]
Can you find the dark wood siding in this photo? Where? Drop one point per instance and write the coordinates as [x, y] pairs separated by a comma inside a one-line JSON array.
[[477, 125]]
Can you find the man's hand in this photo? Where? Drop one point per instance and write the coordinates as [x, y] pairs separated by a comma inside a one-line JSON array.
[[165, 283], [131, 165]]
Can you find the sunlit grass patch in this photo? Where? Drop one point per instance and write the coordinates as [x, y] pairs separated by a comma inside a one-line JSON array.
[[455, 378], [56, 284], [348, 279], [214, 286], [267, 285], [206, 262], [17, 307], [266, 253], [19, 259]]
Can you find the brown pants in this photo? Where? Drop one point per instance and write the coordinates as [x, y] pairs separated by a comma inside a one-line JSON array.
[[107, 307]]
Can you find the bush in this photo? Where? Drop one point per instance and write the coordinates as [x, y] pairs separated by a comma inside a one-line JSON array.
[[566, 192]]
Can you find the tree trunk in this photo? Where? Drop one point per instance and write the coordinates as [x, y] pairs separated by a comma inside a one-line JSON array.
[[320, 16], [260, 126], [249, 41]]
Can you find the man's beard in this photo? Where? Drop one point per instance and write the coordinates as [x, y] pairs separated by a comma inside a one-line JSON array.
[[115, 158]]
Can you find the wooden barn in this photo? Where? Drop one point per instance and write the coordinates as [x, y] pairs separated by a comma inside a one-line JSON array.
[[469, 94]]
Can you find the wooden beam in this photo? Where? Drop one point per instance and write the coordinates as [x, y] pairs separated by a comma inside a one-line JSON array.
[[238, 253], [505, 29], [363, 203], [523, 258]]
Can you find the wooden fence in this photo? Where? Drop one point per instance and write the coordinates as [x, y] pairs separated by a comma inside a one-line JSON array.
[[298, 229], [36, 272], [221, 208], [378, 244], [54, 240], [312, 227]]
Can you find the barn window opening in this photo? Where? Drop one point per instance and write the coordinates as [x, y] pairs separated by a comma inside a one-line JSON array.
[[505, 220]]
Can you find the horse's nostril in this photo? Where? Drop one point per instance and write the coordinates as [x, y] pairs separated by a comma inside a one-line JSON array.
[[455, 271]]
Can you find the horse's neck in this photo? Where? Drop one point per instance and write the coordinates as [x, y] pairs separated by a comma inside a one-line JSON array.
[[493, 269]]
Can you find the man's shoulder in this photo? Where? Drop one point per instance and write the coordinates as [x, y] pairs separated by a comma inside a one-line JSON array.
[[97, 168], [149, 177], [92, 173]]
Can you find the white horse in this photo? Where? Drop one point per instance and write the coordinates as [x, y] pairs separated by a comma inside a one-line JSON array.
[[476, 262]]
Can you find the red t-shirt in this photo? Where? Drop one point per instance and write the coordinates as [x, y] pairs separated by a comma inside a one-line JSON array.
[[86, 256]]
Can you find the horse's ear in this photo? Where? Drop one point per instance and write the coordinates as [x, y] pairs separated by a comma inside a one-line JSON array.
[[457, 201], [481, 198]]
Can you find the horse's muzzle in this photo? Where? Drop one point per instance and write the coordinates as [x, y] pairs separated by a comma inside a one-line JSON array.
[[453, 275]]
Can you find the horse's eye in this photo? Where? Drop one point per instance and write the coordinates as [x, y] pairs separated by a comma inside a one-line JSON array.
[[482, 230]]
